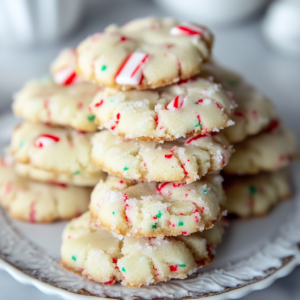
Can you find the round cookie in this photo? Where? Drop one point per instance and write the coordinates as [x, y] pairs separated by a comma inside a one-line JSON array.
[[98, 255], [270, 150], [52, 149], [254, 110], [144, 53], [255, 195], [63, 68], [183, 160], [35, 202], [46, 102], [142, 209], [192, 107], [78, 179]]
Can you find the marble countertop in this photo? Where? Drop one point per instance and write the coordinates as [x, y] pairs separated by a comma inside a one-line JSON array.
[[239, 47]]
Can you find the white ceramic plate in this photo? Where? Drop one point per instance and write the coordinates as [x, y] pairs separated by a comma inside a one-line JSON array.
[[254, 253]]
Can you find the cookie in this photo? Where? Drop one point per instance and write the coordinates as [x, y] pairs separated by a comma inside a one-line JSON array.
[[35, 202], [145, 53], [63, 68], [192, 107], [270, 150], [180, 161], [255, 195], [98, 255], [254, 110], [78, 179], [56, 150], [45, 101], [142, 209]]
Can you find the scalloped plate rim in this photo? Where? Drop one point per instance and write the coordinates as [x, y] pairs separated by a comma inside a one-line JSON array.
[[232, 294]]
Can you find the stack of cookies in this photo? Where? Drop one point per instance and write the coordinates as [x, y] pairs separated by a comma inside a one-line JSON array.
[[156, 216], [255, 178], [48, 173]]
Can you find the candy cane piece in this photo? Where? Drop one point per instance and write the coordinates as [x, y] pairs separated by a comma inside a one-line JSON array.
[[45, 140], [131, 70], [195, 138], [188, 29], [66, 76], [176, 103]]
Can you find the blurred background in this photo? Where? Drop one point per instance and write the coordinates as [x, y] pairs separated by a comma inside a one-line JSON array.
[[258, 38]]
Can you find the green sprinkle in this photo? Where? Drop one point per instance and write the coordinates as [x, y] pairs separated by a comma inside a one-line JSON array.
[[22, 144], [232, 82], [103, 68], [113, 212], [198, 125], [123, 269], [76, 173], [74, 258], [112, 100], [181, 265], [159, 215], [180, 223], [196, 103], [91, 118], [153, 226], [126, 168], [204, 192], [252, 189]]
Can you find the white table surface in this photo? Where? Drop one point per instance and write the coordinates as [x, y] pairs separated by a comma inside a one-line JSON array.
[[240, 47]]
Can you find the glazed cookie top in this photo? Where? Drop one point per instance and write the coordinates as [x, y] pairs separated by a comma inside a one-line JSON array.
[[57, 150], [39, 202], [63, 68], [100, 256], [46, 102], [268, 151], [254, 110], [183, 160], [191, 107], [144, 53], [135, 208], [254, 195]]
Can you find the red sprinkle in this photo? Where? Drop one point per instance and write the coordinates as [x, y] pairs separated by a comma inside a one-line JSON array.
[[168, 155], [273, 126], [195, 138], [161, 186], [173, 268], [114, 260], [99, 103], [32, 213], [239, 114]]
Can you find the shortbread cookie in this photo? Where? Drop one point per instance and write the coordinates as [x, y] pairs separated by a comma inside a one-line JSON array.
[[63, 69], [46, 102], [268, 151], [31, 201], [98, 255], [255, 195], [183, 160], [254, 110], [135, 208], [195, 106], [77, 178], [145, 53], [57, 150]]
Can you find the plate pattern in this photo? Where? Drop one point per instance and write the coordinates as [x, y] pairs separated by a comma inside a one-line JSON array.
[[275, 259]]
